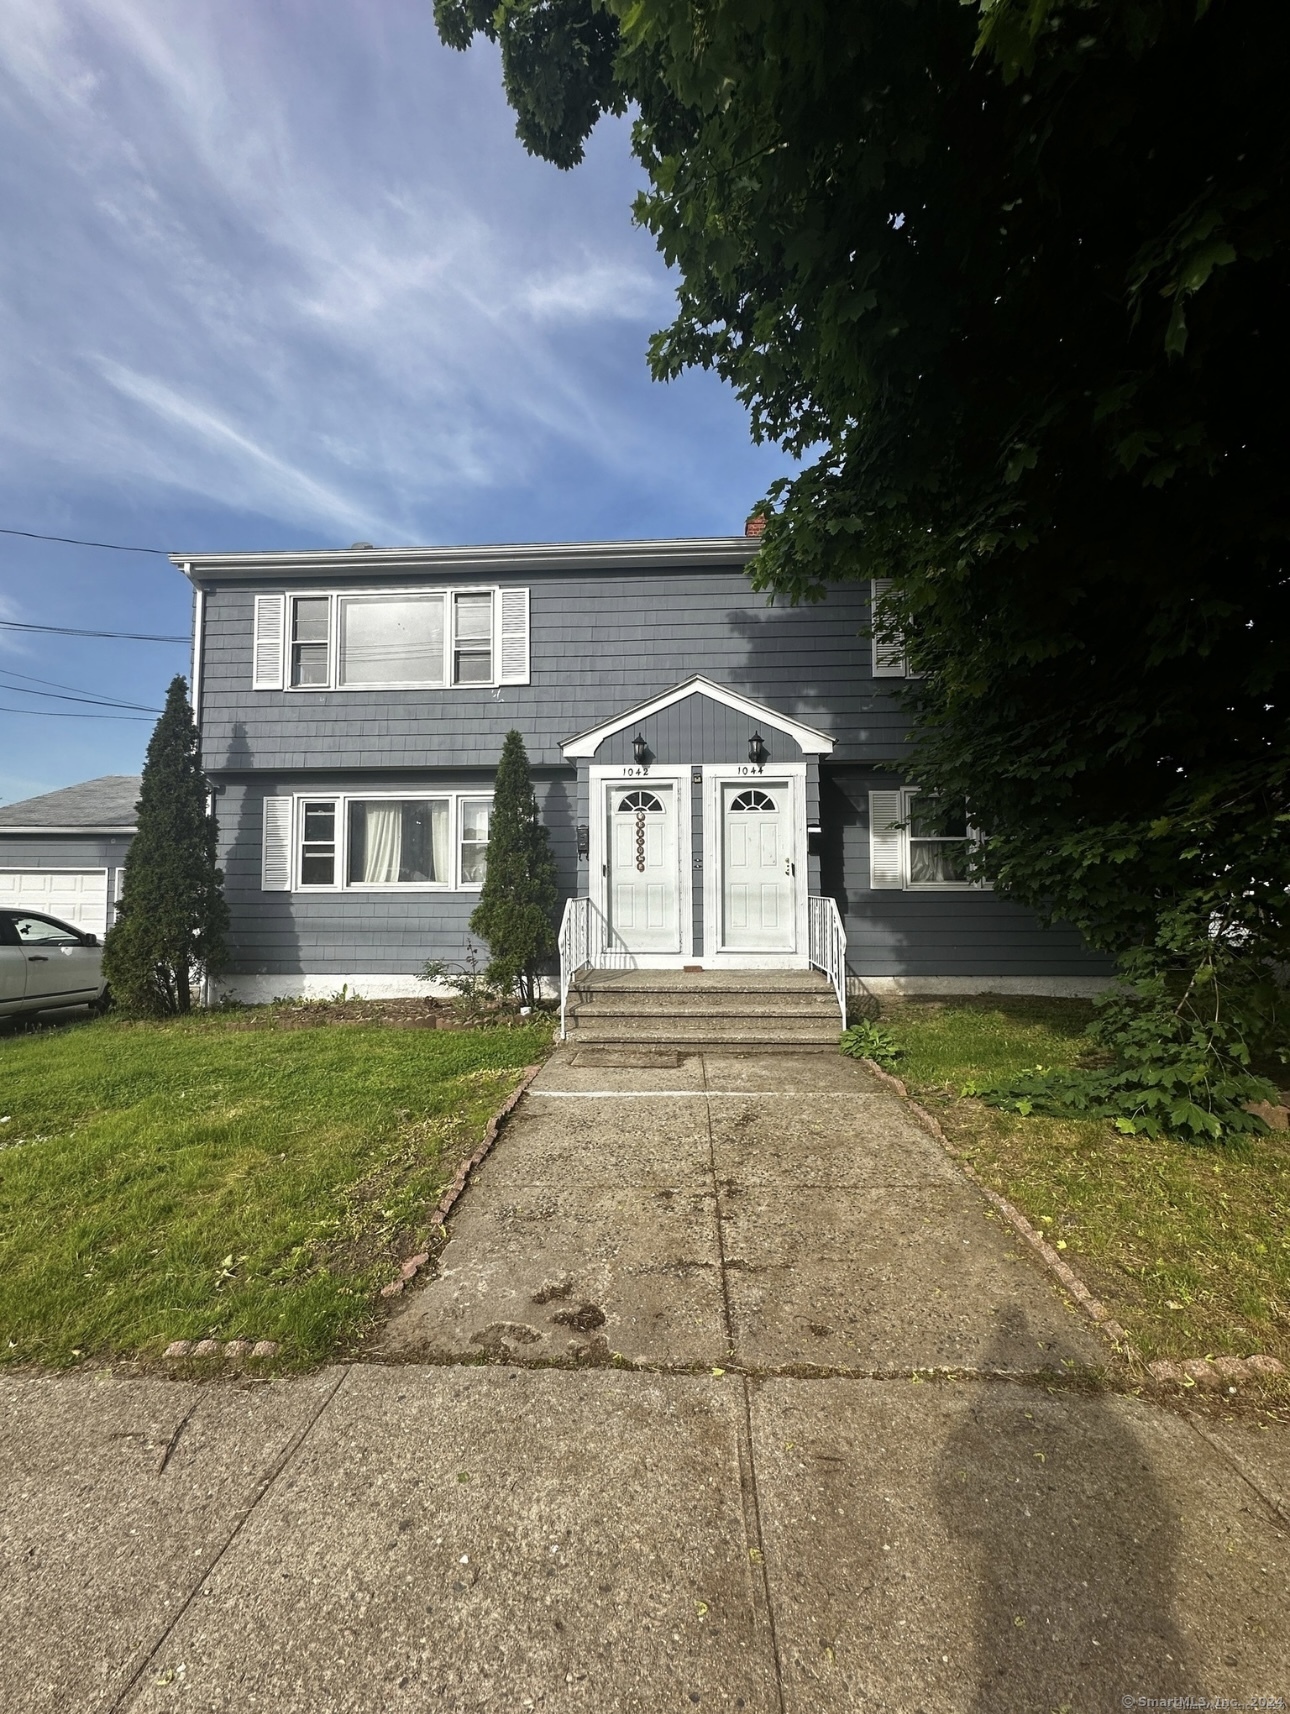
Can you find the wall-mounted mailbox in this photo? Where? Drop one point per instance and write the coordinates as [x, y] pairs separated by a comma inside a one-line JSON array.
[[584, 840]]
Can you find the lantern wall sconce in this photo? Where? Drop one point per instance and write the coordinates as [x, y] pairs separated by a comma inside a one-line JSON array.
[[757, 751], [640, 749]]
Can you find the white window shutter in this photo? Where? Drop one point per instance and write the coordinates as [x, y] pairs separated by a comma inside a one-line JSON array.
[[513, 636], [275, 854], [888, 646], [886, 841], [270, 629]]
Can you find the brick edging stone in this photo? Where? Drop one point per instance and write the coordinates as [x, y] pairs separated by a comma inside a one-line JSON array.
[[414, 1264]]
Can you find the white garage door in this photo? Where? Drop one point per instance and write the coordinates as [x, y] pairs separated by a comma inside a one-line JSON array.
[[75, 895]]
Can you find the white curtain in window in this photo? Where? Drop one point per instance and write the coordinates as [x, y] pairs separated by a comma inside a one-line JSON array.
[[383, 845], [439, 841]]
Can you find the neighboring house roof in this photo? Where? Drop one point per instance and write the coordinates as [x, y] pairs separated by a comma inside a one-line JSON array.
[[807, 739], [104, 805], [504, 558]]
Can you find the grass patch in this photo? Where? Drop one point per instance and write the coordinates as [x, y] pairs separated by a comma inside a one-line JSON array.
[[1188, 1245], [205, 1179]]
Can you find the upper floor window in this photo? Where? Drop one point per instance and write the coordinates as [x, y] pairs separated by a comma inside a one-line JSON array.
[[472, 626], [390, 639], [310, 639], [408, 639]]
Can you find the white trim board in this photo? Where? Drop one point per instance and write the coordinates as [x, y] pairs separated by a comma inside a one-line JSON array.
[[807, 739], [361, 985], [1055, 987], [513, 558]]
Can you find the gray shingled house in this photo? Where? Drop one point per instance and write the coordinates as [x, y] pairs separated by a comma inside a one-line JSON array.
[[62, 853], [720, 776]]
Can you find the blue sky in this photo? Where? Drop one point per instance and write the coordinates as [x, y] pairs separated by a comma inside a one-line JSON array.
[[281, 276]]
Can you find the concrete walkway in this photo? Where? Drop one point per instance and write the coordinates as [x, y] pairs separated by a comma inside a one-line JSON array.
[[777, 1511]]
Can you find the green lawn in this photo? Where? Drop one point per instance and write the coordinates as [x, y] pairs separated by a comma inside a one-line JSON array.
[[1188, 1246], [226, 1175]]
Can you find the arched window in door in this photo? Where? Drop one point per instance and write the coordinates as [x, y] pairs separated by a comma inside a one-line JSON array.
[[752, 800], [640, 804]]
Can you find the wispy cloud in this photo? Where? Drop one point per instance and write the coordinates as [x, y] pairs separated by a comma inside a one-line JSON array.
[[309, 289], [280, 274]]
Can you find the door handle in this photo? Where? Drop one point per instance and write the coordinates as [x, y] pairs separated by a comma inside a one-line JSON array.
[[37, 958]]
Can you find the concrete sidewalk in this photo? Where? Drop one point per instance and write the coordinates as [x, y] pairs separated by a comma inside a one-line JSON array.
[[814, 1528]]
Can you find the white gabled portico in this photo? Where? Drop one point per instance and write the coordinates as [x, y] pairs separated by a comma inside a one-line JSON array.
[[697, 805]]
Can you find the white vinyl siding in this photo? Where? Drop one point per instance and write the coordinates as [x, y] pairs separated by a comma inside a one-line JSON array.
[[275, 856], [404, 639], [888, 645], [270, 634]]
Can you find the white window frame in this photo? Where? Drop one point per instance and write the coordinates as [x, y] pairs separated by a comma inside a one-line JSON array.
[[447, 683], [907, 796], [342, 801]]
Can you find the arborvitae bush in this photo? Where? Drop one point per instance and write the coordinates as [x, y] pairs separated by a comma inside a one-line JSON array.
[[171, 918], [516, 910]]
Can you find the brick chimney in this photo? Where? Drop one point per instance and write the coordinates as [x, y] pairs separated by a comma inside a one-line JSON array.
[[756, 526]]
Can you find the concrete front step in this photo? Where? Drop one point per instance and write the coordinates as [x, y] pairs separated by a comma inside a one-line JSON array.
[[762, 1009], [729, 1005], [701, 981], [793, 1032]]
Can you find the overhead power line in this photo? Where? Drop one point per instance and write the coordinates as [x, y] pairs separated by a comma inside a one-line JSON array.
[[76, 542], [79, 692], [68, 631], [93, 701], [63, 714]]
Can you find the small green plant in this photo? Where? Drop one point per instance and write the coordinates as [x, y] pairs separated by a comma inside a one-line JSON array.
[[867, 1040], [478, 1000]]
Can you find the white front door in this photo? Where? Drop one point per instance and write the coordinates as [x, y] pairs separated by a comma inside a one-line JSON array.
[[641, 839], [758, 902]]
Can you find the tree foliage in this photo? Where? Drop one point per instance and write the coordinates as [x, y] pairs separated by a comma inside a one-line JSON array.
[[1009, 277], [516, 909], [171, 917]]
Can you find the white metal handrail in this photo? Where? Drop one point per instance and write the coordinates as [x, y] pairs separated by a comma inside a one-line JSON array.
[[827, 940], [586, 938], [575, 948]]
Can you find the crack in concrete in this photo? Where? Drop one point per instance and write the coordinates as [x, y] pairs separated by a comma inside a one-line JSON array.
[[264, 1486], [1275, 1504], [173, 1442]]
